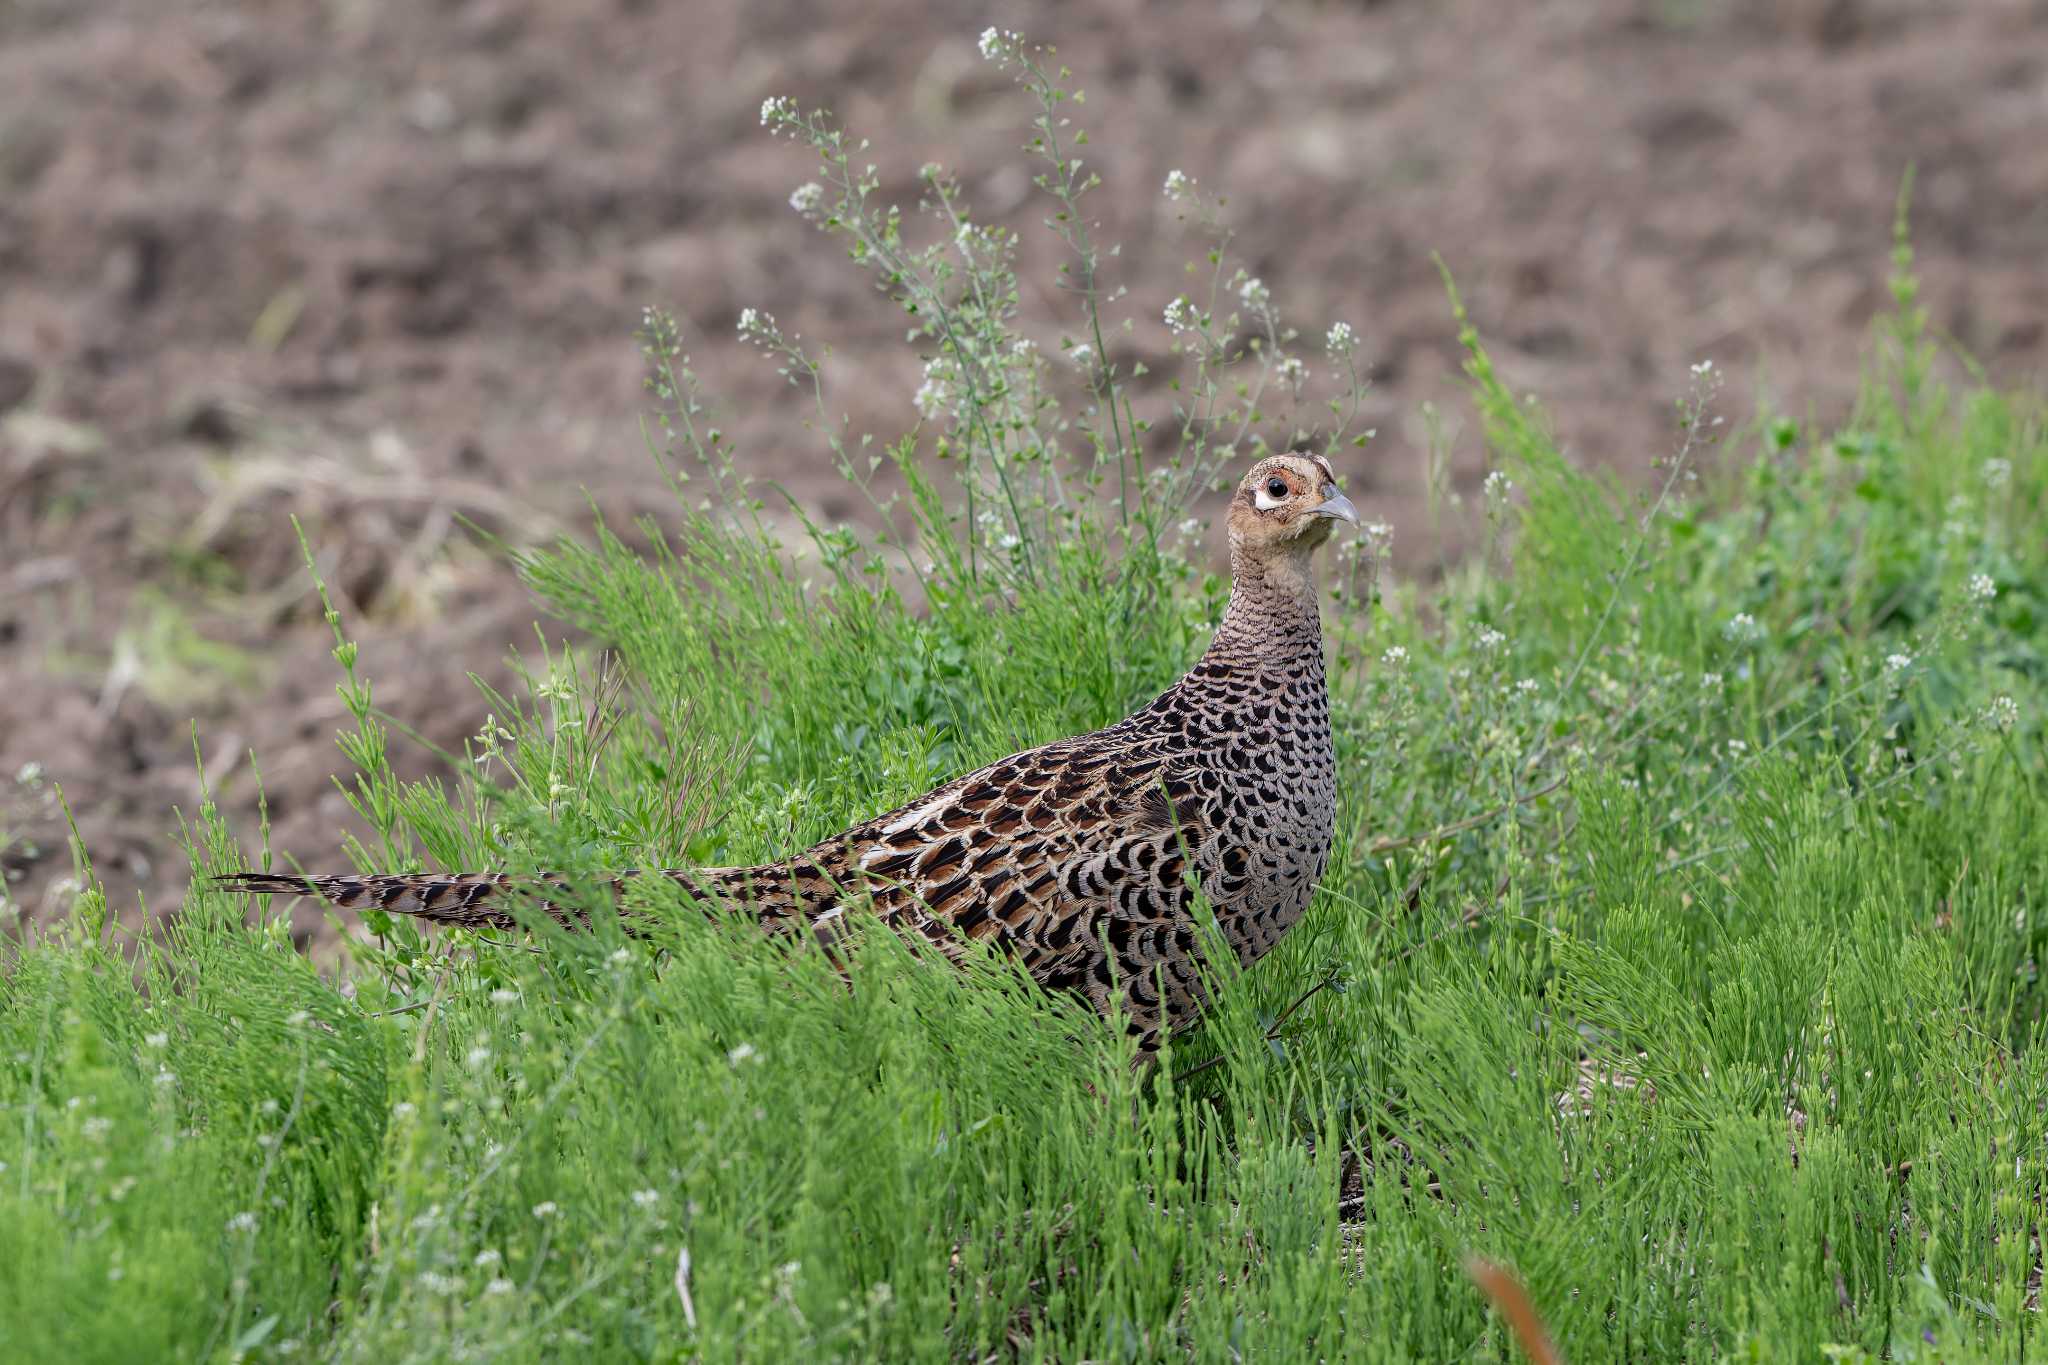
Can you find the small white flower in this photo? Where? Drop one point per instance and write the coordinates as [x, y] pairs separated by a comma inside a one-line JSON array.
[[2002, 714], [498, 1286], [1254, 293], [1736, 746], [997, 45], [30, 774], [164, 1077], [504, 996], [1997, 475], [434, 1282], [1702, 369], [1491, 639], [1981, 588], [97, 1128], [1341, 341], [486, 1259], [1180, 315], [646, 1199], [403, 1110], [930, 399], [1897, 663], [1497, 486], [807, 198], [1528, 687], [1379, 537], [1395, 656], [478, 1056], [777, 109], [1742, 629], [242, 1222], [546, 1208], [156, 1040], [1189, 529], [1291, 371], [620, 957], [1710, 681], [1023, 346], [1082, 354], [1178, 185]]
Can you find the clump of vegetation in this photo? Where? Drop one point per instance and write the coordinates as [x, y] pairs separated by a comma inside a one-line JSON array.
[[1680, 948]]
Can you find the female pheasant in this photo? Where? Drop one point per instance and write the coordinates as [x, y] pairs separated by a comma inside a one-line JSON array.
[[1081, 857]]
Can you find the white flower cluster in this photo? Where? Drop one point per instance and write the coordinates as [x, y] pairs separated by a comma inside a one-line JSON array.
[[1379, 537], [1180, 315], [1254, 293], [1981, 588], [1291, 371], [2002, 714], [935, 395], [1490, 639], [1895, 666], [1997, 475], [808, 198], [1341, 341], [1742, 629], [777, 109], [1179, 185], [999, 45], [1394, 657], [1497, 486]]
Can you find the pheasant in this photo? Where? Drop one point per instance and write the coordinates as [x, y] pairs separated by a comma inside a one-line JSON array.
[[1082, 857]]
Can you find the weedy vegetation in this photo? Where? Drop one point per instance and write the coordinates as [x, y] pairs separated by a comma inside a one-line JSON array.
[[1680, 949]]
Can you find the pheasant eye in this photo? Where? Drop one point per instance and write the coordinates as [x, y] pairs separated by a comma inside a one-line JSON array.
[[1276, 487]]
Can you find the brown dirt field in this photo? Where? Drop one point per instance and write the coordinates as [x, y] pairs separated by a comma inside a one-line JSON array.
[[380, 265]]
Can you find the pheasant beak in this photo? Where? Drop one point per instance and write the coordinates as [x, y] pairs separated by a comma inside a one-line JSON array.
[[1338, 508]]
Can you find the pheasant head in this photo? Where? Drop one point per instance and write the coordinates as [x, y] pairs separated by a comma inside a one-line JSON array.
[[1286, 506]]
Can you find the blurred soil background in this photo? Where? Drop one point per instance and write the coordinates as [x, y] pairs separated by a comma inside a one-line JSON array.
[[380, 265]]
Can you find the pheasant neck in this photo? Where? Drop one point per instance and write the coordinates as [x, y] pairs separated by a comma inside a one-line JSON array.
[[1273, 619]]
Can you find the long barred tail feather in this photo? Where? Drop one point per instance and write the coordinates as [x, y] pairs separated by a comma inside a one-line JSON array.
[[462, 898]]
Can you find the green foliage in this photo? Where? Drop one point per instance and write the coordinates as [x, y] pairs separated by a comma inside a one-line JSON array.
[[1680, 948]]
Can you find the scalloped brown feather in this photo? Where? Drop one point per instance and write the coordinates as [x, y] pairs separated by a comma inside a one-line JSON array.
[[1080, 857]]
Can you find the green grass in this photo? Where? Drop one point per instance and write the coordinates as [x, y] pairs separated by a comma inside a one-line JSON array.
[[1677, 950]]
